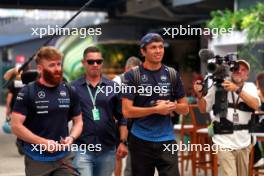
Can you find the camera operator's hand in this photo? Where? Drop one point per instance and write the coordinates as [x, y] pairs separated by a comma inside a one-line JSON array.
[[198, 87], [229, 86]]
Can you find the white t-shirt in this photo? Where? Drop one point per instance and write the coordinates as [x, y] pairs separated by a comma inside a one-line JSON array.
[[240, 138]]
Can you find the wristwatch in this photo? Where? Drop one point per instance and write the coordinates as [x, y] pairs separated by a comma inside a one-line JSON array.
[[123, 141]]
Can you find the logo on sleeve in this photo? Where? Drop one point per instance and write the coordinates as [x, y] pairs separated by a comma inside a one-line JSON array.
[[41, 94]]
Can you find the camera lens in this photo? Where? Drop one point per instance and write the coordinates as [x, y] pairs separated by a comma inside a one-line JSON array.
[[211, 67]]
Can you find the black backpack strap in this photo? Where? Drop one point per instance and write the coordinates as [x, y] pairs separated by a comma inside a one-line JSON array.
[[136, 74], [173, 78], [31, 93]]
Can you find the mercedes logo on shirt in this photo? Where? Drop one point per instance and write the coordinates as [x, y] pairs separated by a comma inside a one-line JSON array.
[[144, 78], [41, 94]]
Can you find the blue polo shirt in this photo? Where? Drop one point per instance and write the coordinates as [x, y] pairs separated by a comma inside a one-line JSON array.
[[155, 127], [101, 131], [47, 113]]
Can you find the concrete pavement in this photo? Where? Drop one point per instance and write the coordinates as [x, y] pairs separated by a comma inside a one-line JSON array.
[[11, 163]]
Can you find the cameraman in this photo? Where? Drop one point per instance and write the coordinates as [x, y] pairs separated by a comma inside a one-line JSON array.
[[234, 148]]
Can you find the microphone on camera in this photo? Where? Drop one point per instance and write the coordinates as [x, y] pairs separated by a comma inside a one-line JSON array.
[[205, 55]]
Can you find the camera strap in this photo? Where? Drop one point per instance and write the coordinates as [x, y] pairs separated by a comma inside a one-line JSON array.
[[235, 105]]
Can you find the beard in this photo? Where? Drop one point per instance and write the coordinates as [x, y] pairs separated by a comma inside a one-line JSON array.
[[53, 78], [237, 80]]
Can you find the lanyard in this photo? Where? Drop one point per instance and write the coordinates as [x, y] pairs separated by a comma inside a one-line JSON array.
[[93, 98], [235, 103]]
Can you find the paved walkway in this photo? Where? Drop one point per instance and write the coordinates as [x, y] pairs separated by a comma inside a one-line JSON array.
[[12, 164]]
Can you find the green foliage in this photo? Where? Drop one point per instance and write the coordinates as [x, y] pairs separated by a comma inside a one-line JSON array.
[[250, 20], [227, 19], [220, 19], [254, 23]]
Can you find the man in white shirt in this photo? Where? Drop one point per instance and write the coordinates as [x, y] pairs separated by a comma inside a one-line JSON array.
[[234, 148]]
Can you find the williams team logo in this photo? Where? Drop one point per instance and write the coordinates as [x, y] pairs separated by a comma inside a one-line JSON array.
[[63, 93], [163, 78]]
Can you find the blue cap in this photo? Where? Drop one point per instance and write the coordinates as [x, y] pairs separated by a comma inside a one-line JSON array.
[[150, 37]]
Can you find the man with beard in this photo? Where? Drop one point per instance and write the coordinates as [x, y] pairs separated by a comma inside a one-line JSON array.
[[242, 99], [99, 108], [40, 118], [152, 128]]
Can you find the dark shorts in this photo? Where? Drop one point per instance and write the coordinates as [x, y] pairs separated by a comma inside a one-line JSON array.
[[61, 167], [146, 156]]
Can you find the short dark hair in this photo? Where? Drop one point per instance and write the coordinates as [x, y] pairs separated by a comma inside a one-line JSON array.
[[90, 49], [260, 79]]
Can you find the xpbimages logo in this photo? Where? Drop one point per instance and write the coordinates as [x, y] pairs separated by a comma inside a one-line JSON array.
[[56, 30], [147, 90], [183, 147], [194, 31], [51, 146]]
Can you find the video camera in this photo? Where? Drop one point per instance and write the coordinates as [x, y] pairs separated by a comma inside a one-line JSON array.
[[219, 69]]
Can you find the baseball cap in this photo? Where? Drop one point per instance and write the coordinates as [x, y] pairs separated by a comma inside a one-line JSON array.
[[150, 37], [242, 61]]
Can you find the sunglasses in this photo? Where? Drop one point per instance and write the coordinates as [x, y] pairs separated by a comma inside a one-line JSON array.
[[91, 62]]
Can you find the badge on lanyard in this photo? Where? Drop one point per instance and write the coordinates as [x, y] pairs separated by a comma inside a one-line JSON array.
[[95, 111], [235, 117], [96, 114], [235, 114]]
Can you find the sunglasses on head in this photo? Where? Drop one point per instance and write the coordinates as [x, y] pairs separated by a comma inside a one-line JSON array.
[[91, 62]]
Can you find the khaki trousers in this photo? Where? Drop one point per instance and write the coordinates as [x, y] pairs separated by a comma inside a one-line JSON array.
[[235, 162]]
